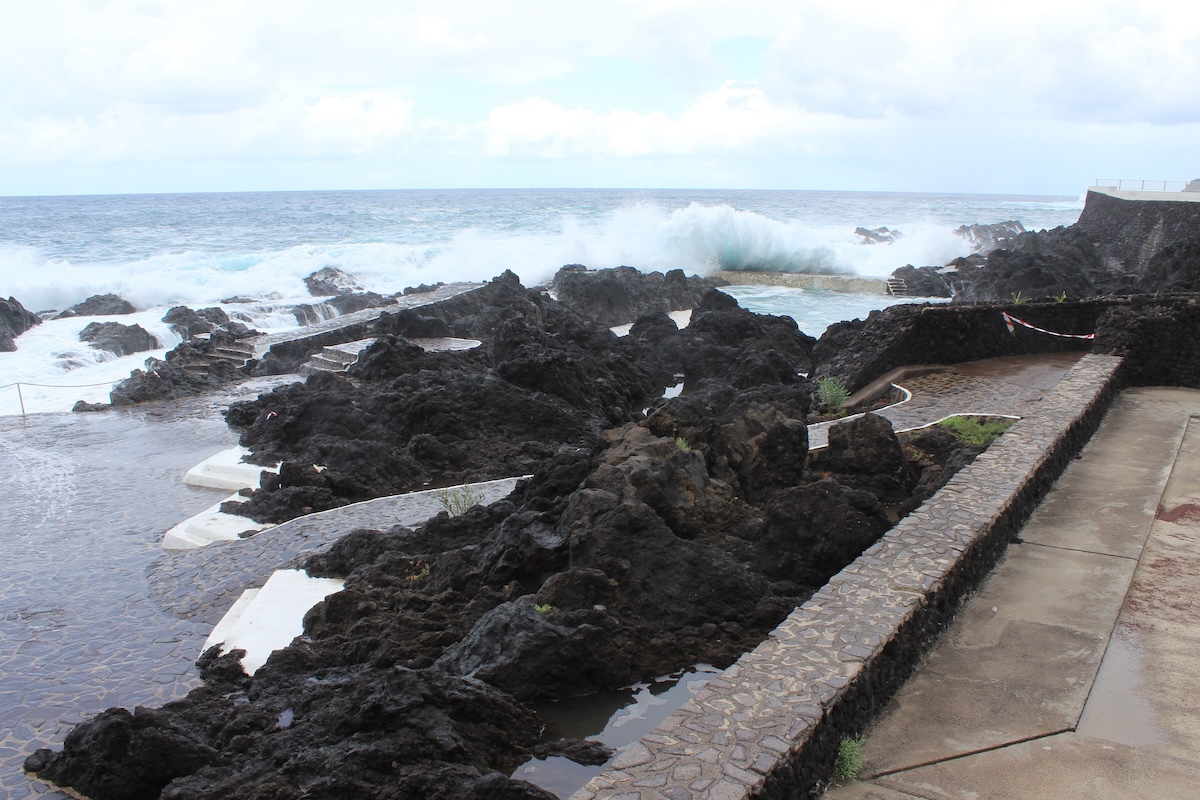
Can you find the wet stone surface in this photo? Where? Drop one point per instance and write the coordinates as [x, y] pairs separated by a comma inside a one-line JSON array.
[[87, 498]]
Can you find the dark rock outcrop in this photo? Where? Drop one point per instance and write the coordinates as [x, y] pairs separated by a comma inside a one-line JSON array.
[[643, 543], [117, 338], [1118, 247], [924, 281], [1038, 266], [330, 281], [121, 340], [15, 319], [99, 305], [983, 239], [619, 296], [878, 235], [187, 322]]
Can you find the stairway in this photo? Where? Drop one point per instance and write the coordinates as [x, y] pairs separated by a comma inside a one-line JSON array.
[[897, 287], [335, 358]]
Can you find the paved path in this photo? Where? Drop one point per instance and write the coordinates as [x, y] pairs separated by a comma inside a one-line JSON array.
[[1003, 387], [94, 614], [1071, 673]]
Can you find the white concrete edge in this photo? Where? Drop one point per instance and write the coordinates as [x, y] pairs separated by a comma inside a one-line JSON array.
[[227, 470], [271, 617], [210, 525]]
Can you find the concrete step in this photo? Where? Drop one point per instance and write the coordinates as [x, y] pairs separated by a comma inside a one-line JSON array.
[[897, 287]]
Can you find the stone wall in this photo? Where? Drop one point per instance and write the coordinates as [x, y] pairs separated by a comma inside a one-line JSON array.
[[769, 726], [1129, 232]]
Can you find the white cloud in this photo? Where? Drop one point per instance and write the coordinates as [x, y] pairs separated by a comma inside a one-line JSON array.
[[170, 82], [732, 119]]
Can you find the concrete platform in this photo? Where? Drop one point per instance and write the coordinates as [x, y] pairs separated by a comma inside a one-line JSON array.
[[227, 470], [210, 525], [268, 619], [1069, 674]]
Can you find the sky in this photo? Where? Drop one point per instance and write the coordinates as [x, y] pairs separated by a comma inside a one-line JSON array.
[[125, 96]]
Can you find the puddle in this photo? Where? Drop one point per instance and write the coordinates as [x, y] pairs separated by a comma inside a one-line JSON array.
[[617, 718], [1117, 709]]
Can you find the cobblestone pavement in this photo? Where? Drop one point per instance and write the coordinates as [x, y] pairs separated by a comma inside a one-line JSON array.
[[94, 614]]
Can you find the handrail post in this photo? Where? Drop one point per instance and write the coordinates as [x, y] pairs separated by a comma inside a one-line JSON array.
[[21, 398]]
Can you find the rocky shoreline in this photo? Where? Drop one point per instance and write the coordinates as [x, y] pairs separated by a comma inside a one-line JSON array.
[[656, 532]]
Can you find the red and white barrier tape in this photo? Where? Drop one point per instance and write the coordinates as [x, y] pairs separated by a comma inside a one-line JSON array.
[[1010, 319]]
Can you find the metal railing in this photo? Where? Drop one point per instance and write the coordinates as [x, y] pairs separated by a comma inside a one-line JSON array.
[[21, 396], [1138, 185]]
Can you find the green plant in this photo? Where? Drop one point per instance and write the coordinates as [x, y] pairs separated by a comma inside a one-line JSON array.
[[849, 759], [543, 608], [682, 444], [1061, 297], [459, 499], [1019, 299], [832, 394], [974, 430], [419, 569]]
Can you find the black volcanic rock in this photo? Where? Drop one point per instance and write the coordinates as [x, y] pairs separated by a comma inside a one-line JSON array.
[[117, 338], [1038, 266], [187, 322], [330, 281], [983, 239], [643, 543], [864, 453], [15, 319], [99, 305], [619, 296], [726, 342], [923, 281]]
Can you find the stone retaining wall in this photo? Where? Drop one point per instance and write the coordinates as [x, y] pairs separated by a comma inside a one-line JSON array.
[[770, 725]]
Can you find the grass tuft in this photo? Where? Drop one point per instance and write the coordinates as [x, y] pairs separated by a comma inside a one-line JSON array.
[[459, 499], [974, 430], [832, 394], [849, 759]]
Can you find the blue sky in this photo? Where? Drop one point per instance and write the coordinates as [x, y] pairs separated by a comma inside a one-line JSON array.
[[109, 96]]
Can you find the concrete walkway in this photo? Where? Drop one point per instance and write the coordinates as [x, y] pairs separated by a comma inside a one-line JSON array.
[[1070, 674]]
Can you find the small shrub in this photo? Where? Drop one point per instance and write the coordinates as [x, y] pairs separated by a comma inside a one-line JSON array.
[[418, 570], [1019, 299], [459, 499], [832, 394], [682, 444], [849, 759], [1061, 297], [543, 608], [974, 430]]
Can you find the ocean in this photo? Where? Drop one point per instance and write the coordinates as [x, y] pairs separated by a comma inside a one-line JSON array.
[[159, 251]]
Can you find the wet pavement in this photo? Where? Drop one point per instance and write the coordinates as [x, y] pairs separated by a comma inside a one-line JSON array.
[[1070, 674], [1009, 387], [94, 614]]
